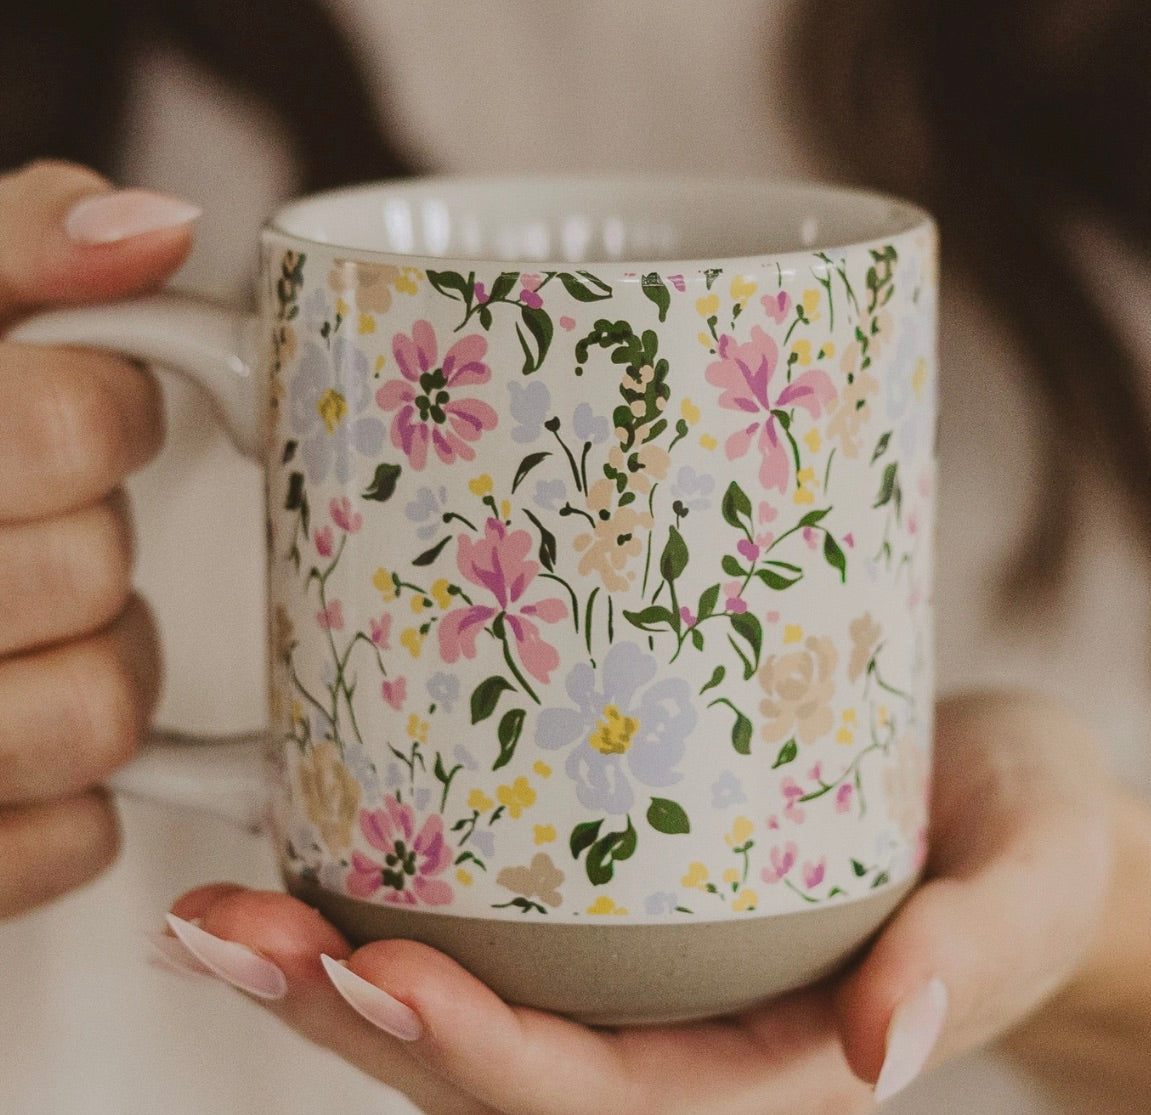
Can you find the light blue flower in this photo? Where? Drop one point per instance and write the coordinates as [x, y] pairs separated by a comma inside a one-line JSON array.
[[362, 769], [660, 904], [727, 790], [693, 489], [427, 508], [626, 727], [485, 840], [549, 494], [588, 426], [465, 757], [444, 689], [530, 404]]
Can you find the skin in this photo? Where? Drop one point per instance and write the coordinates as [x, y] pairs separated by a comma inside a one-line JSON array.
[[1020, 915]]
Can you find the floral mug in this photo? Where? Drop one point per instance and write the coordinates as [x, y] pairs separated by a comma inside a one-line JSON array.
[[600, 550]]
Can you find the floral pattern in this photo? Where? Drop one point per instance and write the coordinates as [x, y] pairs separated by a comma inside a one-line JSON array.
[[603, 595]]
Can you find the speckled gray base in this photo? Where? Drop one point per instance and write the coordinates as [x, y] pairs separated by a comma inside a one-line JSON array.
[[615, 975]]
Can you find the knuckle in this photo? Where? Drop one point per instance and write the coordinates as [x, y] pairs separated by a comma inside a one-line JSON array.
[[84, 435], [97, 573], [108, 710]]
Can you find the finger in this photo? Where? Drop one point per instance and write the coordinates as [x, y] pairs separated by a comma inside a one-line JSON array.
[[65, 577], [73, 424], [75, 713], [121, 243], [1020, 849], [49, 848]]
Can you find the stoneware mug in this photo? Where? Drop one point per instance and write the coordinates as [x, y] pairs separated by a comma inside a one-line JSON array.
[[600, 557]]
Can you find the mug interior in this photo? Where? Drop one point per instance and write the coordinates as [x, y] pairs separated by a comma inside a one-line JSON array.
[[595, 220]]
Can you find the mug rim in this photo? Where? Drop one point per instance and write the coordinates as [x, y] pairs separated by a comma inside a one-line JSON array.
[[904, 218]]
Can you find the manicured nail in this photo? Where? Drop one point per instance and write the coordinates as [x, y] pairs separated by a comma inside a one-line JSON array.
[[107, 218], [167, 950], [911, 1036], [373, 1003], [232, 962]]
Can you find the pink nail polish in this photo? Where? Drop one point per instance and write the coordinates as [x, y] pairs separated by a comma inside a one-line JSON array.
[[169, 952], [108, 218], [911, 1036], [373, 1003], [232, 962]]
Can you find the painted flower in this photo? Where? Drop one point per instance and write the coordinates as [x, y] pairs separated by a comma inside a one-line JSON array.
[[799, 687], [616, 539], [327, 401], [370, 283], [528, 404], [430, 410], [782, 861], [588, 426], [443, 689], [427, 508], [541, 879], [330, 793], [853, 409], [412, 857], [498, 563], [626, 728], [905, 785], [865, 633], [693, 489], [743, 373], [727, 790]]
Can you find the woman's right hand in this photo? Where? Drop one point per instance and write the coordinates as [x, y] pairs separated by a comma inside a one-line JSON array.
[[79, 666]]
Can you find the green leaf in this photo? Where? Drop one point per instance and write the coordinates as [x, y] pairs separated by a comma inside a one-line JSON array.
[[296, 496], [881, 447], [732, 567], [536, 342], [835, 556], [787, 754], [880, 880], [585, 288], [887, 485], [736, 504], [508, 733], [750, 629], [673, 561], [667, 817], [741, 734], [814, 518], [697, 638], [526, 465], [653, 614], [707, 602], [383, 485], [428, 556], [608, 851], [452, 284], [583, 837], [486, 696], [717, 675], [777, 581], [548, 549], [859, 869], [656, 289], [503, 285]]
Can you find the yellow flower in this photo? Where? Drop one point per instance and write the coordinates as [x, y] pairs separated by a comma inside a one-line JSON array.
[[689, 411], [481, 486], [849, 716], [464, 877], [517, 797], [544, 834], [479, 801], [742, 289], [708, 306], [806, 477], [803, 496], [381, 360], [696, 875], [613, 734], [605, 905], [828, 350], [731, 875], [812, 440], [332, 407], [792, 633], [811, 304], [919, 377], [542, 769], [745, 900], [406, 285], [413, 641], [341, 307], [440, 592], [802, 351], [417, 728], [705, 340], [366, 324], [505, 509], [384, 581], [845, 735], [741, 830], [708, 442], [418, 604]]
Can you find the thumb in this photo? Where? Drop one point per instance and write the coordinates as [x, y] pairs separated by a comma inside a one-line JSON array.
[[67, 236], [1018, 868]]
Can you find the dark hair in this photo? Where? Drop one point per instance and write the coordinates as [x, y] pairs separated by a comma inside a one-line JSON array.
[[1000, 118], [1005, 120]]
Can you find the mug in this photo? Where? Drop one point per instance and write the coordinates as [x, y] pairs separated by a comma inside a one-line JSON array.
[[600, 570]]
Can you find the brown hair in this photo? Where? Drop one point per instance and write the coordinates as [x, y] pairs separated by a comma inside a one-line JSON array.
[[1005, 120]]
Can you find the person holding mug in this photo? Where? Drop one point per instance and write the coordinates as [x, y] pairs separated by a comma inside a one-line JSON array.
[[1002, 922]]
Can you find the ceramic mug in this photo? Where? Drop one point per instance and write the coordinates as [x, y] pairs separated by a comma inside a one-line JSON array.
[[600, 558]]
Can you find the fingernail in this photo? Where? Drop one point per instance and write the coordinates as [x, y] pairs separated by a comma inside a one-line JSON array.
[[911, 1036], [373, 1003], [108, 218], [168, 951], [232, 962]]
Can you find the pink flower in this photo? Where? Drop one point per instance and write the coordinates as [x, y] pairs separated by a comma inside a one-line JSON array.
[[813, 873], [782, 861], [792, 794], [394, 692], [843, 797], [323, 540], [767, 513], [567, 323], [344, 517], [498, 563], [332, 617], [748, 549], [776, 306], [810, 537], [849, 541], [816, 772], [481, 294], [687, 616], [381, 631], [734, 602], [430, 410], [411, 859], [744, 373], [678, 282], [528, 295]]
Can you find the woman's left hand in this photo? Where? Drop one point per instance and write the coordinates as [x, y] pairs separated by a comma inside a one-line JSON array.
[[1021, 848]]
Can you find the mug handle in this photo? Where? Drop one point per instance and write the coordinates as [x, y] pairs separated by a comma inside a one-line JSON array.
[[217, 348]]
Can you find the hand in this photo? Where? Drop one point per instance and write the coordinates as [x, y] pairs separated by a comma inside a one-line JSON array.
[[1015, 883], [79, 669]]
